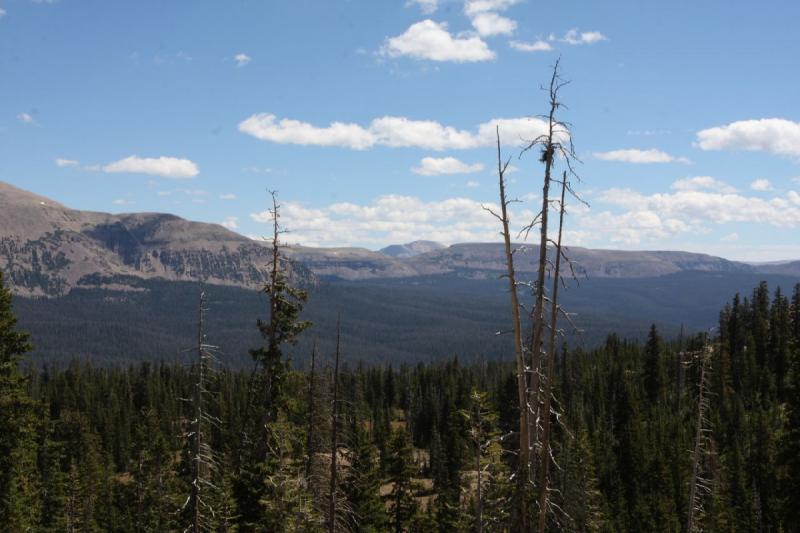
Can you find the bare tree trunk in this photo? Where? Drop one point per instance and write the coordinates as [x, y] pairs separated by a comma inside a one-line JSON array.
[[522, 396], [311, 385], [537, 317], [549, 373], [478, 470], [198, 416], [699, 485], [334, 435]]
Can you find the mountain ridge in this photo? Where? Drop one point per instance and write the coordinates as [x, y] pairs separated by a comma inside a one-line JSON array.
[[47, 249]]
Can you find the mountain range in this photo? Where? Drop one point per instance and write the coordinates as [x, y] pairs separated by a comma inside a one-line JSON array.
[[129, 279]]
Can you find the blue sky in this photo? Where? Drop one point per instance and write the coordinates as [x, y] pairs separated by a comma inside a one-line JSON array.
[[373, 118]]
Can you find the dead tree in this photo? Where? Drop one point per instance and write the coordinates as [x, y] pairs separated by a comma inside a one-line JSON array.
[[700, 487], [311, 391], [334, 435], [524, 463], [204, 463], [549, 373], [556, 142], [551, 144]]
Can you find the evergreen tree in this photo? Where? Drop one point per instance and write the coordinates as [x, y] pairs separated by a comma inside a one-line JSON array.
[[19, 490], [653, 367], [362, 485], [401, 469]]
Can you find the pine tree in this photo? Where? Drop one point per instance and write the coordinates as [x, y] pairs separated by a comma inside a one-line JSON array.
[[19, 490], [362, 484], [400, 469], [653, 367]]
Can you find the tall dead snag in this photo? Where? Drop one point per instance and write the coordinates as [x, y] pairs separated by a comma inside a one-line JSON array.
[[334, 435], [551, 144], [523, 471], [549, 373], [700, 487], [203, 459], [311, 391], [555, 143]]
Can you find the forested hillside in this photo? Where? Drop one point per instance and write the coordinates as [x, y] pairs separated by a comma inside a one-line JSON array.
[[113, 449]]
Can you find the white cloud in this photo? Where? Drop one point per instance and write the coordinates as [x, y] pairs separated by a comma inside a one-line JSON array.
[[796, 180], [66, 162], [638, 156], [472, 184], [26, 118], [390, 219], [2, 12], [432, 166], [168, 167], [230, 223], [122, 201], [699, 183], [632, 227], [396, 132], [242, 59], [537, 46], [731, 237], [431, 40], [287, 131], [490, 23], [227, 196], [474, 7], [761, 185], [574, 37], [427, 6], [695, 207], [774, 135]]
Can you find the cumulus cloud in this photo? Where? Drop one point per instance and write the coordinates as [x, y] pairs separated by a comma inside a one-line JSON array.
[[700, 183], [242, 59], [638, 156], [761, 185], [396, 132], [66, 162], [432, 166], [431, 40], [575, 37], [389, 219], [489, 24], [427, 6], [230, 223], [475, 7], [287, 131], [774, 135], [26, 118], [168, 167], [536, 46], [696, 207]]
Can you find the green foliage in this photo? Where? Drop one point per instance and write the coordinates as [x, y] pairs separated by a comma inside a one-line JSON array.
[[99, 449]]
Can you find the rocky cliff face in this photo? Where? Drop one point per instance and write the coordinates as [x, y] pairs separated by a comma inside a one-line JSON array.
[[47, 248]]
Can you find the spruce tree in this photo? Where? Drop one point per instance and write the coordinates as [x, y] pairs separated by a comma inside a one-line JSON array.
[[653, 368], [19, 490], [401, 469]]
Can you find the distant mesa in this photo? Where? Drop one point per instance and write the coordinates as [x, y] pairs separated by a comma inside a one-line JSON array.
[[412, 248], [47, 249]]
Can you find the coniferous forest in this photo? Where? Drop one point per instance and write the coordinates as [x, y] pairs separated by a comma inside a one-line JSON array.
[[161, 447]]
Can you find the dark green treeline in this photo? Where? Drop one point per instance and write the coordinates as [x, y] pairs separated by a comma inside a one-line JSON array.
[[100, 449]]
